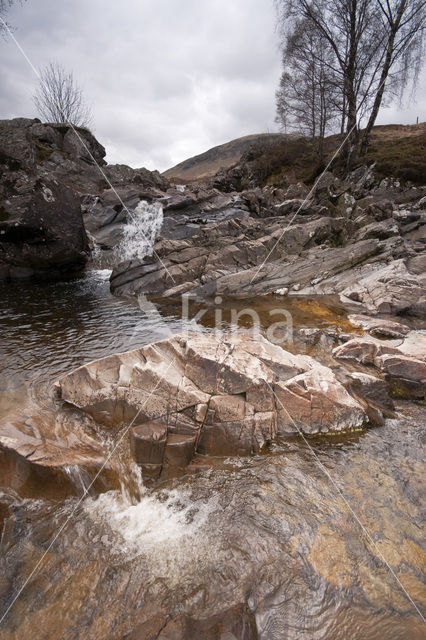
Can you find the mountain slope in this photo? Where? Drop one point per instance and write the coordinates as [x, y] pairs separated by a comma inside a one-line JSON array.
[[206, 164], [397, 150]]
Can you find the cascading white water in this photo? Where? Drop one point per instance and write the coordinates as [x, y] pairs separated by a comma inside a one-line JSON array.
[[150, 521], [95, 250], [140, 231]]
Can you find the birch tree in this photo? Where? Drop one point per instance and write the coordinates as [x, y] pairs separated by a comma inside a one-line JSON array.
[[377, 51]]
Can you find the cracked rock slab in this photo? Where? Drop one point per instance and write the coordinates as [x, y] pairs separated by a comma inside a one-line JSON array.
[[213, 394]]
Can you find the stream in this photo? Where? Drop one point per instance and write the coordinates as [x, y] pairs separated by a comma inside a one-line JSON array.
[[273, 531]]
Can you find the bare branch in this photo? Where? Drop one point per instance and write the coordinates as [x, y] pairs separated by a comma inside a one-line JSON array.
[[59, 99]]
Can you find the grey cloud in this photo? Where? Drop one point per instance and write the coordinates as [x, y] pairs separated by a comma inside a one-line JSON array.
[[165, 79]]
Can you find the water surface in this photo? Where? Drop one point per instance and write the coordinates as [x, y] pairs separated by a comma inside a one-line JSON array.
[[273, 531]]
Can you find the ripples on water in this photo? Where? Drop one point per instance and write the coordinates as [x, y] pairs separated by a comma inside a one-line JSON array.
[[271, 530], [48, 329]]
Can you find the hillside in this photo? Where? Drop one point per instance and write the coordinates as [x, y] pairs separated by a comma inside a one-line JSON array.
[[397, 150], [205, 165]]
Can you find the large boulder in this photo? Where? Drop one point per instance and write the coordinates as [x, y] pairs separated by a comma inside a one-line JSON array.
[[30, 142], [72, 154], [41, 228], [219, 395], [372, 394]]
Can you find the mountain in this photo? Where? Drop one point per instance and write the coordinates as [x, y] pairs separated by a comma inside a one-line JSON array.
[[224, 156]]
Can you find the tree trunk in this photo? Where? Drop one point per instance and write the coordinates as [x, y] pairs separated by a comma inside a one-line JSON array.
[[379, 96], [350, 147], [351, 143]]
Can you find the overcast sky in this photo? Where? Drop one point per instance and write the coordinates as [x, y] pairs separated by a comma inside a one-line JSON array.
[[166, 79]]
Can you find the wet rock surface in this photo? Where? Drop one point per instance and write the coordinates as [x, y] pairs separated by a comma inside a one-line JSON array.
[[222, 395], [402, 362], [366, 249], [236, 623], [271, 530]]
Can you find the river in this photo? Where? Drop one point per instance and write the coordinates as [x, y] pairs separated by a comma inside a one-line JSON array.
[[317, 556]]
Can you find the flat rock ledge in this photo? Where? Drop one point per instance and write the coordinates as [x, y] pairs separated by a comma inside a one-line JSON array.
[[213, 394], [401, 362]]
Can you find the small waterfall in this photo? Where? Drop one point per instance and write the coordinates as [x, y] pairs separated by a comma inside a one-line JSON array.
[[140, 231], [138, 520], [95, 251]]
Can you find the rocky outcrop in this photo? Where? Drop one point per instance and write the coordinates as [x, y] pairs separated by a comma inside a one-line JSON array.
[[396, 288], [379, 327], [216, 395], [47, 171], [227, 258], [41, 228], [402, 362], [72, 154], [365, 249]]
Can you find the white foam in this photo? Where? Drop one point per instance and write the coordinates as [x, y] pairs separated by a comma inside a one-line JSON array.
[[102, 274], [156, 521]]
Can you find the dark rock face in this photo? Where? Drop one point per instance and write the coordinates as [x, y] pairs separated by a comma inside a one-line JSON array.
[[122, 175], [41, 228], [46, 171], [236, 623], [46, 149]]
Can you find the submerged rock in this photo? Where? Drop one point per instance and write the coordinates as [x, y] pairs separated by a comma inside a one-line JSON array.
[[236, 623], [220, 395]]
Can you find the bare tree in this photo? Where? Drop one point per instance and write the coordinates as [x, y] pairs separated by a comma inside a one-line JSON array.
[[308, 98], [59, 99], [377, 48], [4, 7], [402, 55]]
